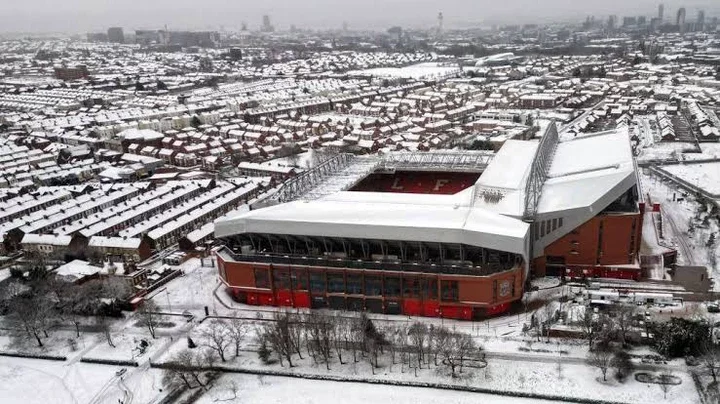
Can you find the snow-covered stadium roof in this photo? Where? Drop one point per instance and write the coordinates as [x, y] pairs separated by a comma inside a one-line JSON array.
[[580, 178], [383, 221]]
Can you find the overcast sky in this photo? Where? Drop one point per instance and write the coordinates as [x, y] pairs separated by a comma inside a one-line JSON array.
[[97, 15]]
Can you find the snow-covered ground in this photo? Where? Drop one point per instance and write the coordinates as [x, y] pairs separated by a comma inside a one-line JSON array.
[[272, 390], [510, 368], [127, 347], [190, 292], [31, 381], [666, 150], [691, 241], [702, 175]]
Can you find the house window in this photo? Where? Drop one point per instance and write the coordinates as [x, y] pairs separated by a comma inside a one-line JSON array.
[[554, 224], [560, 222]]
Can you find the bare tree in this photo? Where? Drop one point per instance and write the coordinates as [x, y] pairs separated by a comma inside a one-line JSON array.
[[297, 332], [116, 288], [624, 317], [353, 335], [589, 325], [606, 332], [150, 316], [320, 333], [466, 347], [711, 359], [601, 359], [33, 311], [278, 334], [216, 337], [440, 338], [622, 364], [372, 346], [457, 348], [105, 326], [418, 333], [339, 330], [186, 366], [237, 329]]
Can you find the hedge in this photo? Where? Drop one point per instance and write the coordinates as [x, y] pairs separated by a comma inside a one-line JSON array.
[[34, 356], [110, 362]]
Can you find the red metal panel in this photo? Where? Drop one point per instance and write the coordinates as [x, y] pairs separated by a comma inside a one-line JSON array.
[[456, 312], [412, 307], [302, 299], [431, 308], [265, 299], [284, 298], [498, 309]]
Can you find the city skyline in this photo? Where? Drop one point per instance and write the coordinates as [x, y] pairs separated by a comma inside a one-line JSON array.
[[79, 16]]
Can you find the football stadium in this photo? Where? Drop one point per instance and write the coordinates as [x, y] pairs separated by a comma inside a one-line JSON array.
[[453, 234]]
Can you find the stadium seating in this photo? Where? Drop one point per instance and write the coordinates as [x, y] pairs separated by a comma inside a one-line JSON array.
[[418, 182]]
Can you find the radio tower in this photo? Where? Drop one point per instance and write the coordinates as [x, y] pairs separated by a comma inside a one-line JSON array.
[[439, 25]]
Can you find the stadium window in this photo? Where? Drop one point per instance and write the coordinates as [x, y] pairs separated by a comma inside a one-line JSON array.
[[373, 285], [299, 279], [429, 286], [281, 278], [449, 291], [392, 286], [547, 226], [560, 222], [411, 287], [554, 224], [336, 283], [354, 284], [317, 282], [542, 229], [262, 278]]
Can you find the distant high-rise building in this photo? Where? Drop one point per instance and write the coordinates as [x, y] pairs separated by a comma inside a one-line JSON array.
[[680, 20], [642, 20], [661, 12], [97, 37], [345, 26], [116, 35], [628, 21], [611, 22], [266, 26], [700, 26], [439, 24]]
